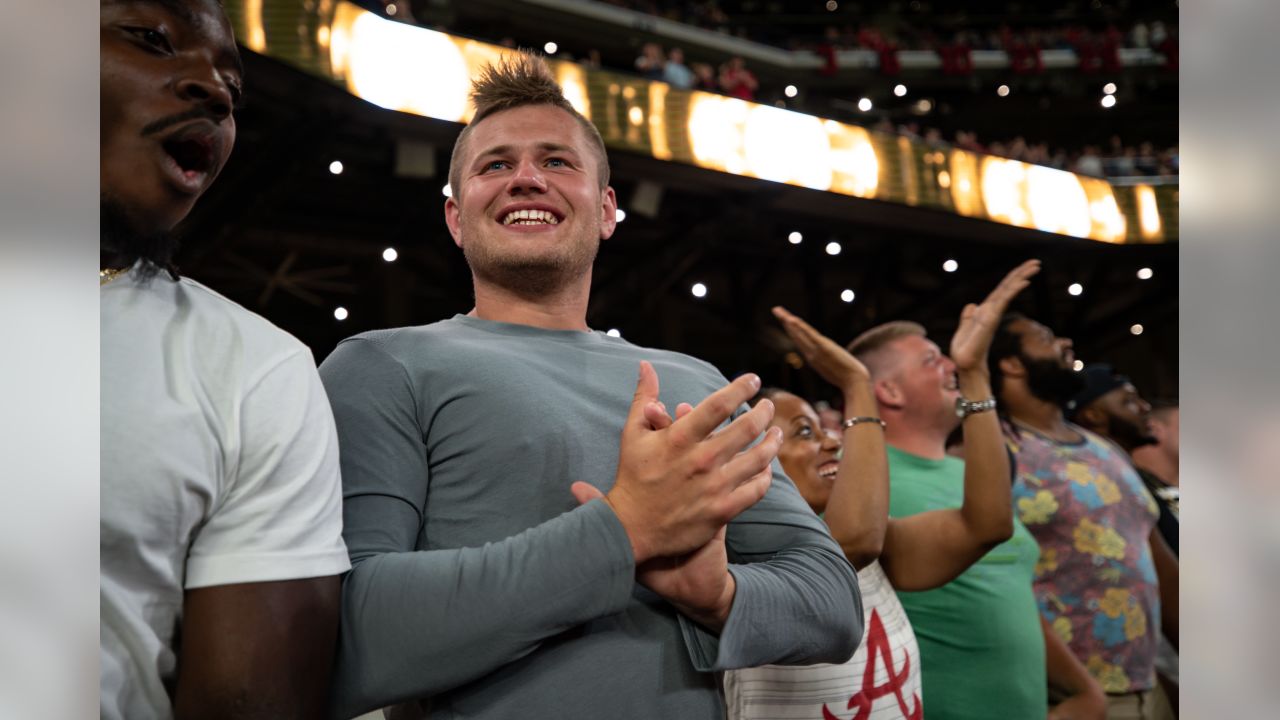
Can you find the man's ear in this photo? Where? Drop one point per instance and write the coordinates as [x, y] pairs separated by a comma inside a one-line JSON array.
[[608, 213], [1091, 417], [451, 218], [888, 394], [1011, 366]]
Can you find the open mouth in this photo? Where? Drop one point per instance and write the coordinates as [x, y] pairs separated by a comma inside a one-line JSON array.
[[530, 216], [828, 470], [193, 154]]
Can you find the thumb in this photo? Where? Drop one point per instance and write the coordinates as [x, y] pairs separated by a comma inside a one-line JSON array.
[[585, 492]]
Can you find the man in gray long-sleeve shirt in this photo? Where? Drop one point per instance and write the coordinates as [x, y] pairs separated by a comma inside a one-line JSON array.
[[486, 582]]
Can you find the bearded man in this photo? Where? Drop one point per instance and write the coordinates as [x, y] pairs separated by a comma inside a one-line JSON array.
[[1102, 562]]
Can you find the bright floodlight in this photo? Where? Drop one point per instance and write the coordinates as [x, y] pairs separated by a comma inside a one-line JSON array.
[[900, 90], [1003, 91], [790, 91], [1145, 274], [832, 5], [614, 332], [846, 295], [1109, 89], [833, 248], [795, 238], [335, 167], [1075, 289], [340, 313], [950, 266], [698, 290], [1136, 329], [619, 215], [390, 254], [864, 104], [1077, 365], [392, 9], [446, 190], [551, 48], [1108, 101]]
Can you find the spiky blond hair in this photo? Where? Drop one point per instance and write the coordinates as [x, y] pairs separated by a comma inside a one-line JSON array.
[[518, 80]]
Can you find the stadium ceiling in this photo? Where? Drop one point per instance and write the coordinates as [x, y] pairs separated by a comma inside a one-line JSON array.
[[285, 236]]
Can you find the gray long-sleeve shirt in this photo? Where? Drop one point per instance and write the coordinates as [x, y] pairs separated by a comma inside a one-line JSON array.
[[480, 586]]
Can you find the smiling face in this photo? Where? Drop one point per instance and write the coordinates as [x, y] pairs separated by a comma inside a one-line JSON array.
[[170, 79], [529, 213], [925, 380], [808, 453]]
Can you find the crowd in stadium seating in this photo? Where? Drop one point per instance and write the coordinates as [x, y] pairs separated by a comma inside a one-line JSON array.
[[518, 525], [751, 21], [1118, 159]]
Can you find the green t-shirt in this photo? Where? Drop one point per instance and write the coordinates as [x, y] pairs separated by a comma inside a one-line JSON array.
[[981, 646]]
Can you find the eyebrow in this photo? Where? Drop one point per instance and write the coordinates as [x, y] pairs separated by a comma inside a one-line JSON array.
[[227, 55], [543, 146]]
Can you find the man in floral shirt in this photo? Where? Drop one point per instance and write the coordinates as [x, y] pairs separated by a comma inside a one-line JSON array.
[[1101, 561]]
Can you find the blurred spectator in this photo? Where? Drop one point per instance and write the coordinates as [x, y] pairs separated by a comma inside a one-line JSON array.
[[650, 62], [737, 81], [676, 73], [1089, 162], [705, 78], [592, 62], [1160, 458]]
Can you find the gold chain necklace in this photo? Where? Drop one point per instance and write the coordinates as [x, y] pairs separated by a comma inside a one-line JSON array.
[[106, 276]]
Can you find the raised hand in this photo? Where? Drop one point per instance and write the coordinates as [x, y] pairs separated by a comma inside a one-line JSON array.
[[828, 359], [678, 484], [978, 323]]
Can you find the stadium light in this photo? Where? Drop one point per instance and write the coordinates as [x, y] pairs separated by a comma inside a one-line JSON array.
[[833, 248], [390, 254], [335, 167], [1136, 329], [950, 266], [864, 104], [1108, 101], [1075, 289], [699, 290], [791, 91], [847, 295], [340, 313], [1003, 91], [551, 48], [795, 238], [1145, 274], [1109, 89], [900, 90]]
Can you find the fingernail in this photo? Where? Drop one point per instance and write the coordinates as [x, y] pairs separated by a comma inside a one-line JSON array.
[[753, 381]]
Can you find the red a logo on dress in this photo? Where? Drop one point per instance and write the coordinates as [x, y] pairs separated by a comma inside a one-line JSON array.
[[878, 648]]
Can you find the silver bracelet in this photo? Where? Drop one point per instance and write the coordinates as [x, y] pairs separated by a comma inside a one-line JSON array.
[[863, 419]]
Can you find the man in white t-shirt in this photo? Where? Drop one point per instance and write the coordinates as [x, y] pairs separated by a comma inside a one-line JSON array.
[[221, 523]]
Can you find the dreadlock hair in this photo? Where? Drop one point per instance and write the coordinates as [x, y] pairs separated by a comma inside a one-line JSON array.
[[519, 80], [1005, 343]]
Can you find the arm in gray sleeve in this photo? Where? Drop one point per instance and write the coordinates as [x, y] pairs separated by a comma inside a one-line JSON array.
[[797, 600], [417, 623]]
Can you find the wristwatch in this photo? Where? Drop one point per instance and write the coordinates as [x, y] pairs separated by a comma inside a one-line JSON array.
[[965, 408]]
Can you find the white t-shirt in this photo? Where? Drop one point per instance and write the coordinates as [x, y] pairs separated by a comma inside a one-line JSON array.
[[219, 466], [812, 692]]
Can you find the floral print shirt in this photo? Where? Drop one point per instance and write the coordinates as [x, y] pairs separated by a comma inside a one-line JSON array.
[[1095, 582]]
